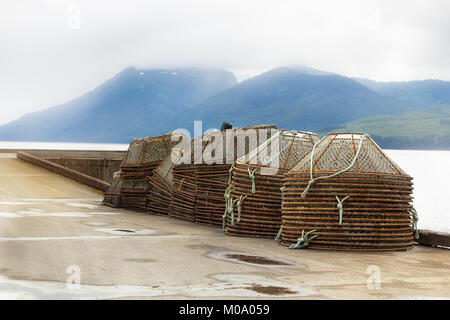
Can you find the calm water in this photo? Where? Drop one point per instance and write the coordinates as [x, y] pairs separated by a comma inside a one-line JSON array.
[[431, 173], [430, 169]]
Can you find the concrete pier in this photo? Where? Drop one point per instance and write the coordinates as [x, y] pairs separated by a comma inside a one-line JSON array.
[[54, 232]]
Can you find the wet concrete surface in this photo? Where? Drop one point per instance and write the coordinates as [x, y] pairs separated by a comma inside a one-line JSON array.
[[50, 236]]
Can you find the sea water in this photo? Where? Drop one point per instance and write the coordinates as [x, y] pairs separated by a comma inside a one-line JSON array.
[[431, 172]]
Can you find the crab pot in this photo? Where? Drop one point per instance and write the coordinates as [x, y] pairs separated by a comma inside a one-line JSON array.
[[134, 187], [160, 184], [143, 156], [260, 212], [159, 195], [184, 191], [212, 179], [375, 194], [112, 196], [198, 188]]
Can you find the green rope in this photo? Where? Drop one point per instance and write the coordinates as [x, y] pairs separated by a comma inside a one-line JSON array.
[[304, 240], [415, 220], [230, 174], [277, 238], [252, 176], [313, 180], [341, 208], [227, 196], [231, 208], [239, 204]]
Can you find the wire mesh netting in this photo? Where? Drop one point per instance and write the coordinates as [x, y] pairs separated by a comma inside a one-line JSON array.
[[199, 187], [160, 184], [254, 193], [130, 186], [347, 195]]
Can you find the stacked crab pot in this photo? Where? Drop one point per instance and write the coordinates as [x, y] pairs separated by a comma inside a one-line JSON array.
[[160, 184], [213, 174], [198, 187], [347, 195], [254, 195], [130, 187]]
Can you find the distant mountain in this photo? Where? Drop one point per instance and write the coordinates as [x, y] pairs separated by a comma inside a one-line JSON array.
[[138, 103], [424, 94], [429, 129], [129, 105], [292, 98]]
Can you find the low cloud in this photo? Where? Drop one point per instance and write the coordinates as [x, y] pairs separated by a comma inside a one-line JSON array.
[[52, 51]]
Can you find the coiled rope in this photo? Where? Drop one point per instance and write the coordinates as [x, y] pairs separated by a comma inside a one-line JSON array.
[[304, 240]]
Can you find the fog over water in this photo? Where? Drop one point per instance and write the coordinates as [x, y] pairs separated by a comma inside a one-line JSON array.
[[429, 168]]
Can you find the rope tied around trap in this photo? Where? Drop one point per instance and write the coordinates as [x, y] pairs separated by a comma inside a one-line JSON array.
[[415, 220], [239, 205], [252, 176], [312, 180], [304, 240], [230, 174], [228, 202], [181, 184], [277, 238], [341, 207]]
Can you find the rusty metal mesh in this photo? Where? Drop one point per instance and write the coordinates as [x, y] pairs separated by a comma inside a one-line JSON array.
[[142, 157], [337, 150], [260, 214], [159, 195], [112, 196], [198, 188], [376, 213]]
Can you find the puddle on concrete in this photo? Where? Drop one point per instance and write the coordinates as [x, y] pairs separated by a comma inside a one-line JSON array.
[[271, 290], [227, 285], [250, 259], [255, 259], [127, 231], [140, 260], [96, 223]]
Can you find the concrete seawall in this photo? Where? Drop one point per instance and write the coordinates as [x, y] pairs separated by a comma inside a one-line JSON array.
[[97, 164], [67, 172]]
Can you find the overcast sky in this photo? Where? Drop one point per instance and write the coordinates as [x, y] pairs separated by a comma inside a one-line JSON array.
[[54, 50]]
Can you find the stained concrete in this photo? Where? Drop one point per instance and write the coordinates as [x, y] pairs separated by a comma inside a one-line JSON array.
[[51, 226]]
